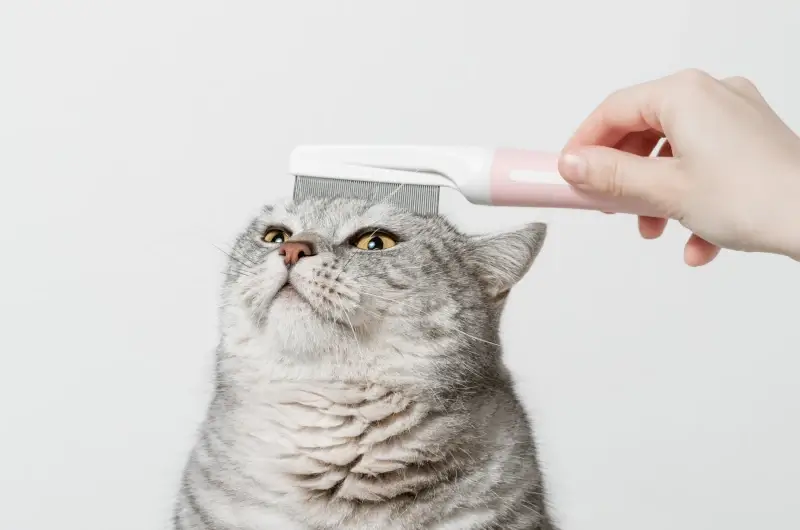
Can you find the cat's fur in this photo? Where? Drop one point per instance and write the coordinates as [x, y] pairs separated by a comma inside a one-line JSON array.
[[371, 393]]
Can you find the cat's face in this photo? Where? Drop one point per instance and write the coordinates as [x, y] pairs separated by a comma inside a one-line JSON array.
[[376, 278]]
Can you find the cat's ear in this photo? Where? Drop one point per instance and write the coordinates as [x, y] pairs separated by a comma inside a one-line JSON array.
[[503, 259]]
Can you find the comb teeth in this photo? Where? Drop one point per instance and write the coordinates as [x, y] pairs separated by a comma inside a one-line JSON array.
[[418, 199]]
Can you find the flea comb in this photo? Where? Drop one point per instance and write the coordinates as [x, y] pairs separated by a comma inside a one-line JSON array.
[[411, 177]]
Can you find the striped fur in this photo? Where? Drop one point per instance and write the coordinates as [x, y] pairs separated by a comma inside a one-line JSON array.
[[371, 395]]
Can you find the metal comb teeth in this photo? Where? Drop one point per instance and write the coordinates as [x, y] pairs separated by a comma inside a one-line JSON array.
[[418, 199]]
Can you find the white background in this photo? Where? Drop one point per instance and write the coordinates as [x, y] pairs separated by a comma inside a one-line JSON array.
[[135, 135]]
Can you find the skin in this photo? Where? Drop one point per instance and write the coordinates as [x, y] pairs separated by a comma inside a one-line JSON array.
[[729, 171]]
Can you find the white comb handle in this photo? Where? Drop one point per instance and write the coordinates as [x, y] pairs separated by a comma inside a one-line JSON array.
[[518, 177]]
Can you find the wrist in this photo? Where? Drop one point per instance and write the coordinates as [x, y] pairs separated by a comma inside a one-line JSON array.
[[787, 223], [792, 249]]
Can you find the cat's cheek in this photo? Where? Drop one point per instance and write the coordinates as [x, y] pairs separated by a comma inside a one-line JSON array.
[[257, 290], [274, 274]]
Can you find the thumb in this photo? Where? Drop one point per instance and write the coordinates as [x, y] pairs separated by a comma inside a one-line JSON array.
[[613, 172]]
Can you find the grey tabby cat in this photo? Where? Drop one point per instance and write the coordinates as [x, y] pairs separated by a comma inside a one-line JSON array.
[[359, 382]]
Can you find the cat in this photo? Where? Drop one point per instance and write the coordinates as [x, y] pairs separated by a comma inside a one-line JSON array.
[[359, 380]]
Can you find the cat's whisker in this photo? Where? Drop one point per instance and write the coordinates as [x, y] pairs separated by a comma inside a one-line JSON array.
[[416, 267], [422, 313], [238, 268], [239, 271], [242, 256], [246, 265], [259, 248], [392, 300], [419, 379], [360, 307], [467, 367], [239, 254], [261, 310], [256, 248], [368, 311], [427, 275], [474, 337], [249, 241], [355, 336], [387, 298]]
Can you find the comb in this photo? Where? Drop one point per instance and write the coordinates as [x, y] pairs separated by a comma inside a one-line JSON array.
[[411, 177]]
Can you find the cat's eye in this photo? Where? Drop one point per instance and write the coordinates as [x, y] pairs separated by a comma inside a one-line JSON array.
[[276, 235], [375, 241]]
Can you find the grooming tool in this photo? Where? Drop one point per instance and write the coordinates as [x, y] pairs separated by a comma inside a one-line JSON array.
[[411, 176]]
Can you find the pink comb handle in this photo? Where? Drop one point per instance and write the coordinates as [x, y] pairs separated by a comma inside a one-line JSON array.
[[530, 178]]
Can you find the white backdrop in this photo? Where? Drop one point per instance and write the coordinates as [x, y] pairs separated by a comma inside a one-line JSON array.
[[135, 135]]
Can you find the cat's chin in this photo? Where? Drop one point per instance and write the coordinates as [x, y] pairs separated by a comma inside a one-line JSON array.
[[290, 306], [289, 293], [296, 328]]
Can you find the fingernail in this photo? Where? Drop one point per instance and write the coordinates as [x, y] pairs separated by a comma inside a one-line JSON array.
[[573, 168]]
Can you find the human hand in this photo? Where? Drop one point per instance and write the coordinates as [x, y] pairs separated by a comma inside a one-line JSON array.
[[729, 172]]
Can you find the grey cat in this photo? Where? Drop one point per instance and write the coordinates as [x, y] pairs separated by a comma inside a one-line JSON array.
[[359, 380]]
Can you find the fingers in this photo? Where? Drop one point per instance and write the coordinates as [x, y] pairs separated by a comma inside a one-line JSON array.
[[615, 151], [630, 110], [640, 143], [641, 107], [699, 252], [744, 87], [663, 150], [643, 144], [609, 171], [652, 227]]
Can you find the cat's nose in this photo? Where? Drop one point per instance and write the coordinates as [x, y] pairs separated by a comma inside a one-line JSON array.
[[294, 251]]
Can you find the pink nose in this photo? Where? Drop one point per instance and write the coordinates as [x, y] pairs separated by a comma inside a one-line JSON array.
[[294, 251]]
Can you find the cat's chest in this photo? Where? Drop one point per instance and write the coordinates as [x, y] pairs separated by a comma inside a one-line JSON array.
[[353, 443]]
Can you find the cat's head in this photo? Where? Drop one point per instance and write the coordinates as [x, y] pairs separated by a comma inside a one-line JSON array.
[[361, 282]]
